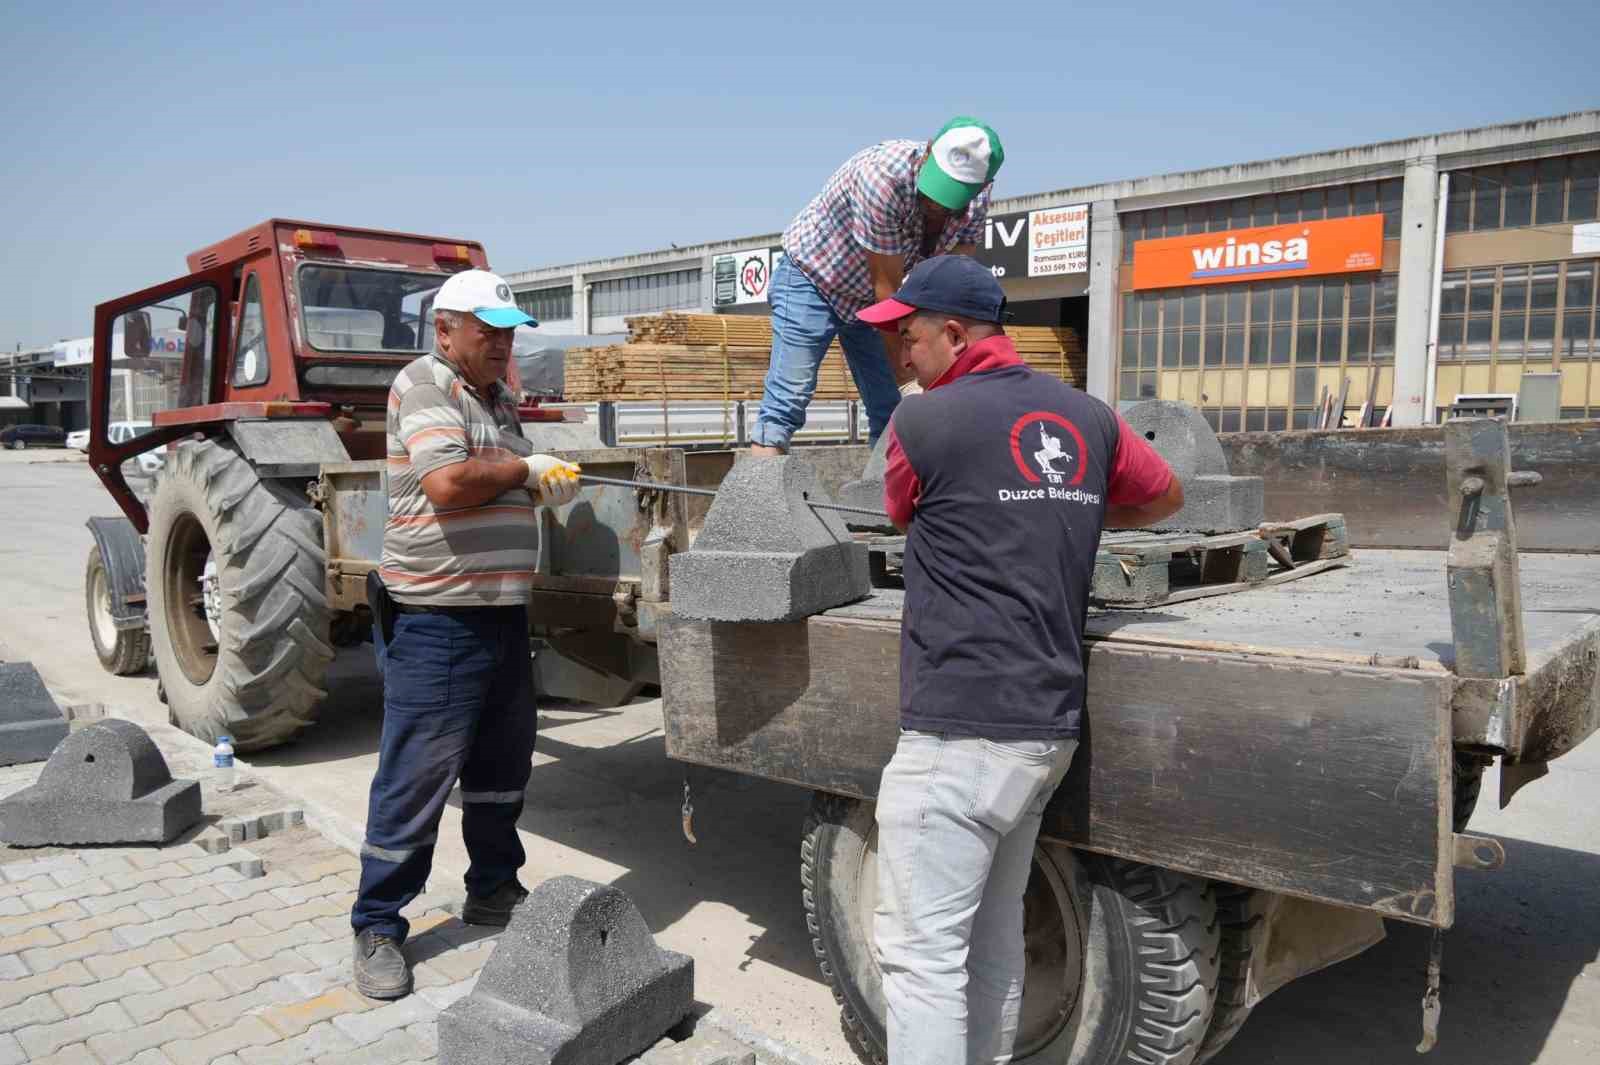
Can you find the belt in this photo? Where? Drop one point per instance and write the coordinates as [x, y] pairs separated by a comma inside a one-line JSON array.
[[414, 608]]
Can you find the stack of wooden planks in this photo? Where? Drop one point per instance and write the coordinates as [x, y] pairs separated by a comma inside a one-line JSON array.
[[705, 357]]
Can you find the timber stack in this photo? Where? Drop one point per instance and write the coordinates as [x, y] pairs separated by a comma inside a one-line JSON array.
[[712, 357]]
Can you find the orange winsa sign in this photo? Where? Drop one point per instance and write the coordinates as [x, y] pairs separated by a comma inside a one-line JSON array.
[[1294, 249]]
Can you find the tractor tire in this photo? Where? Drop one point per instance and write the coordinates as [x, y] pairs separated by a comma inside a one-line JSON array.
[[1122, 957], [253, 667], [1242, 916], [122, 652], [1468, 783]]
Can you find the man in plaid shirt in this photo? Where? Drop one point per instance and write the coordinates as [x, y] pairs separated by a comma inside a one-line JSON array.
[[886, 209]]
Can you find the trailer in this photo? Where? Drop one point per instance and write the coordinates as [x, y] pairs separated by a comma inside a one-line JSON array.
[[1266, 776]]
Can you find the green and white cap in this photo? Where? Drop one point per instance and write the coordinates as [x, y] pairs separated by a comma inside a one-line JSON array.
[[964, 157]]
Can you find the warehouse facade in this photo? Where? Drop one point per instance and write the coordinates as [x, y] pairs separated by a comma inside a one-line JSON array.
[[1409, 272]]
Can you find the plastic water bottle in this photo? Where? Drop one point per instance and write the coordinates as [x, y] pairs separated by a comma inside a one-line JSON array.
[[222, 772]]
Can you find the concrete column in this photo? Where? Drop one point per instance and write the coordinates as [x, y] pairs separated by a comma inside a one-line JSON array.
[[580, 306], [1418, 228], [1105, 258]]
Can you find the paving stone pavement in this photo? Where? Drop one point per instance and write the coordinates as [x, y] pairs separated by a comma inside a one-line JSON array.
[[177, 954]]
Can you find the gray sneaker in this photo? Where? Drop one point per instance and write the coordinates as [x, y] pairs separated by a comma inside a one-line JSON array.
[[380, 967], [494, 908]]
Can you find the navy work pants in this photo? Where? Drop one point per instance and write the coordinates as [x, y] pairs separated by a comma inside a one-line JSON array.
[[458, 704]]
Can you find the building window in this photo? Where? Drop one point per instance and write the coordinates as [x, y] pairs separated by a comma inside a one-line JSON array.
[[1498, 322], [1307, 205], [1546, 192], [1261, 354], [546, 304], [646, 293]]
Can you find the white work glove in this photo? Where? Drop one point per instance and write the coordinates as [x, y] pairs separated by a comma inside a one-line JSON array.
[[910, 388], [552, 481]]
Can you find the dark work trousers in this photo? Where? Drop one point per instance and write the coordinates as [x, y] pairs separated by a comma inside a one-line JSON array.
[[458, 703]]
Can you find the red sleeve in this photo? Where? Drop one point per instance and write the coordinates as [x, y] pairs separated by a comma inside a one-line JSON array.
[[901, 486], [1138, 473]]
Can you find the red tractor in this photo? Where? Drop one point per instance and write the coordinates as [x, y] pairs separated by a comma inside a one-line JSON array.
[[268, 363]]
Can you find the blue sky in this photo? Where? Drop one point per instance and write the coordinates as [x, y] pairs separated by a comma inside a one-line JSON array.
[[135, 133]]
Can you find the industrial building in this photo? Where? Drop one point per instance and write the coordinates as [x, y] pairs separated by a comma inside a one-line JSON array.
[[1414, 271]]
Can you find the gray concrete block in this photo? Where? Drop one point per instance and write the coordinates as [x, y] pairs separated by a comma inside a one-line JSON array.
[[107, 783], [867, 490], [576, 978], [1214, 501], [1218, 504], [30, 722], [764, 554]]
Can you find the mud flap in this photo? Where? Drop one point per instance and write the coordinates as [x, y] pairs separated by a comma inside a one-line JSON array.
[[122, 553]]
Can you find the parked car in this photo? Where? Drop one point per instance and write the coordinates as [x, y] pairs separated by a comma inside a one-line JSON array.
[[17, 437], [78, 440]]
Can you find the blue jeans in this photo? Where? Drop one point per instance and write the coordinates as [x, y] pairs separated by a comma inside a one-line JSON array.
[[803, 325], [458, 703], [957, 820]]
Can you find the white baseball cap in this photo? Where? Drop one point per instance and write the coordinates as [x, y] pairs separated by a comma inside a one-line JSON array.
[[484, 294]]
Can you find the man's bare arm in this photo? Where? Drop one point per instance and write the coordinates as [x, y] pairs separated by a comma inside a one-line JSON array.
[[887, 271], [1121, 516], [474, 482]]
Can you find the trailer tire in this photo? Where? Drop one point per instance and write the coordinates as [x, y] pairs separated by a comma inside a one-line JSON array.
[[256, 671], [1467, 784], [1127, 952], [122, 652], [1242, 918]]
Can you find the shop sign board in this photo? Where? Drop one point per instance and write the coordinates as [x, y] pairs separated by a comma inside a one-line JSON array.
[[743, 277], [1293, 249], [1041, 243]]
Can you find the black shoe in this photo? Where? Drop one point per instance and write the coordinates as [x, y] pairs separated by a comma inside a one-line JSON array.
[[494, 908], [381, 969]]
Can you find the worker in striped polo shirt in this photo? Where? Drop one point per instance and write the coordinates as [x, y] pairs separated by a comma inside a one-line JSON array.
[[886, 209], [451, 625]]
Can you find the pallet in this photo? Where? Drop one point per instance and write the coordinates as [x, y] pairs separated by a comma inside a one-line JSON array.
[[1140, 569]]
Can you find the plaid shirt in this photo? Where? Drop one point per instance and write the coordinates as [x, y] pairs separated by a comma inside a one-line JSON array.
[[870, 204]]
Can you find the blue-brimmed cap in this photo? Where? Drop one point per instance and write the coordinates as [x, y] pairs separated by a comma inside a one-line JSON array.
[[483, 294]]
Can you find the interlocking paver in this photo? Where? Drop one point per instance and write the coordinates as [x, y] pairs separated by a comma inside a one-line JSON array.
[[321, 955], [153, 1056], [426, 1033], [210, 938], [204, 895], [85, 997], [70, 930], [246, 1032], [221, 1012], [392, 1049], [11, 968], [233, 909], [292, 1018], [244, 977], [42, 1039], [40, 1009], [374, 1024], [460, 964], [133, 1044], [32, 939], [107, 966], [76, 1054], [93, 886], [180, 970], [11, 1052], [266, 944], [157, 1003], [104, 865], [443, 997], [22, 922], [15, 905], [246, 887], [297, 894], [44, 958], [137, 935], [330, 906], [25, 987], [121, 897], [16, 871], [16, 889], [320, 1040]]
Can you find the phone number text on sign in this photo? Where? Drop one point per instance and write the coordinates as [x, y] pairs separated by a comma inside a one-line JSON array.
[[1058, 241]]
